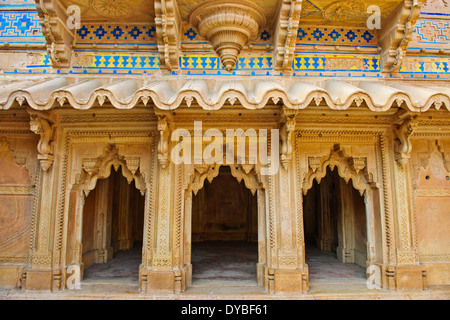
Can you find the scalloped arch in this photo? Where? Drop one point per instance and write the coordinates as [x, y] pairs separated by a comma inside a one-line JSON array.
[[200, 174], [101, 168], [337, 159]]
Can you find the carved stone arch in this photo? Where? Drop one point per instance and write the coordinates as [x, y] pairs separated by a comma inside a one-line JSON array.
[[348, 167], [100, 168], [248, 173]]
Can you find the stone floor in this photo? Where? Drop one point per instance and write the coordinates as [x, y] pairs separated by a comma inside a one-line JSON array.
[[325, 268], [224, 263], [227, 271], [124, 265]]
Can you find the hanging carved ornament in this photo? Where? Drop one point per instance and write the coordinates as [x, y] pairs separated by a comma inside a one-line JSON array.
[[229, 25]]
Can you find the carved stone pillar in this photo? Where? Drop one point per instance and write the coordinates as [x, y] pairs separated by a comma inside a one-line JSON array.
[[104, 251], [74, 250], [408, 273], [345, 251], [370, 225], [124, 237], [165, 270], [39, 273], [325, 236], [286, 271]]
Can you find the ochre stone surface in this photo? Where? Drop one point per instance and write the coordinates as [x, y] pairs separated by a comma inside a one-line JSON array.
[[354, 184]]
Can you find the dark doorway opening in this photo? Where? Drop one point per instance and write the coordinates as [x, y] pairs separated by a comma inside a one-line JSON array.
[[224, 232], [113, 221], [335, 231]]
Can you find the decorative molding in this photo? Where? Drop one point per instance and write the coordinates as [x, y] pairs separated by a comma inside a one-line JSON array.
[[16, 190], [229, 26], [13, 259], [406, 257], [343, 11], [432, 192], [434, 257]]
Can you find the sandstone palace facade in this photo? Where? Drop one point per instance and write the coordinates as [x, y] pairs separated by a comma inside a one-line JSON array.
[[134, 123]]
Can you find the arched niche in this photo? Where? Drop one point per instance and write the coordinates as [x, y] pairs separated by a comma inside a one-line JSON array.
[[93, 170], [352, 169], [195, 176]]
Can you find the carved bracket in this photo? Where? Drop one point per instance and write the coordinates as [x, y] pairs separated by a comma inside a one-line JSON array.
[[396, 34], [45, 128], [167, 22], [286, 34], [286, 132], [164, 143], [403, 132], [58, 36]]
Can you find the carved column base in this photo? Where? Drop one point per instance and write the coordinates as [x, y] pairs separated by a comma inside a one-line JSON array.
[[286, 280], [402, 278], [324, 244], [104, 255], [39, 280], [12, 277], [411, 278], [125, 244], [165, 282], [345, 255]]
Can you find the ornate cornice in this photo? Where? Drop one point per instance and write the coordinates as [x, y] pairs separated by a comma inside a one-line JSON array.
[[229, 26], [128, 93]]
